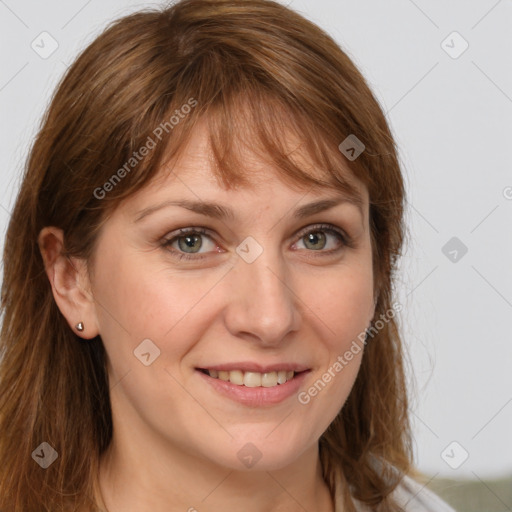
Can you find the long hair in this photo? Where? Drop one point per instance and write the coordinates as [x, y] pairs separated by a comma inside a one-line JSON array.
[[256, 71]]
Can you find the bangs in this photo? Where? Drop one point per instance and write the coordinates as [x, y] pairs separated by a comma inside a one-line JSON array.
[[277, 133], [256, 122]]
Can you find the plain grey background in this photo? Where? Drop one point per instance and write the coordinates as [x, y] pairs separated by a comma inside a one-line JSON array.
[[450, 109]]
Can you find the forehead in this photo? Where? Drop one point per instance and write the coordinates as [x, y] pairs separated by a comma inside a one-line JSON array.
[[194, 171]]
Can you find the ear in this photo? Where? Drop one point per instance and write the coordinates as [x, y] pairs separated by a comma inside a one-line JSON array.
[[70, 283]]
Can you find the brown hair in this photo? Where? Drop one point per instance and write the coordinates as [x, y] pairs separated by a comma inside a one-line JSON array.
[[250, 65]]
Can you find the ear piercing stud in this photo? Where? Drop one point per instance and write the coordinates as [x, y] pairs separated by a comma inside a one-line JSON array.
[[80, 326]]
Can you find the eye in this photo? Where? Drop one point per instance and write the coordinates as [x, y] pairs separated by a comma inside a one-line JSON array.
[[324, 238], [190, 241]]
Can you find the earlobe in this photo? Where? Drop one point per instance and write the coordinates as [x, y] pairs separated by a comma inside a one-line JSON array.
[[66, 276]]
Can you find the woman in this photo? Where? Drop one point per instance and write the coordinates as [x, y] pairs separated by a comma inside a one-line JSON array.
[[198, 309]]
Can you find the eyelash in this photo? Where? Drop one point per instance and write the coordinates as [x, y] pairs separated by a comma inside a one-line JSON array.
[[345, 240]]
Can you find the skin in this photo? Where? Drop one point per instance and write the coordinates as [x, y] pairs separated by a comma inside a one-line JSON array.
[[176, 439]]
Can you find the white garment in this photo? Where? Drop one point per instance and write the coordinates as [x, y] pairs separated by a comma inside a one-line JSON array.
[[412, 497]]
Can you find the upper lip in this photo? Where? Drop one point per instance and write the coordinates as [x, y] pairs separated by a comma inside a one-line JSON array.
[[256, 367]]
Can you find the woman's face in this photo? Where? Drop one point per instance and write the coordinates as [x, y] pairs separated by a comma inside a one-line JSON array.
[[250, 295]]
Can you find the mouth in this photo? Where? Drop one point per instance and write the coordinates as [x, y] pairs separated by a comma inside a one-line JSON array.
[[253, 379], [254, 385]]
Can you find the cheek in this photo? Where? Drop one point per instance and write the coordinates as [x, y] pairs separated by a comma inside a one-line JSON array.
[[343, 308], [138, 301], [326, 393], [344, 305]]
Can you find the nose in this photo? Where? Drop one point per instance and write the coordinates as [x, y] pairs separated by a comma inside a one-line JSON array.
[[262, 303]]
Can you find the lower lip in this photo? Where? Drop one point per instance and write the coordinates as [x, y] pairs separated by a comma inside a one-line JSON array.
[[256, 397]]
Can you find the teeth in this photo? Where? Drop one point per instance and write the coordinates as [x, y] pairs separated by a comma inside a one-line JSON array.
[[270, 379], [253, 379], [236, 377]]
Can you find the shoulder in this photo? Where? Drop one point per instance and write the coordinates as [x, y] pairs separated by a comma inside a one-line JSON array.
[[416, 497], [411, 495]]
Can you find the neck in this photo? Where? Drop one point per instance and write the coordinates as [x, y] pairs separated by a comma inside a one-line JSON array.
[[174, 482]]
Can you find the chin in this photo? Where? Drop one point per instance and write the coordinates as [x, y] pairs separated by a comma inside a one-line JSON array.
[[262, 452]]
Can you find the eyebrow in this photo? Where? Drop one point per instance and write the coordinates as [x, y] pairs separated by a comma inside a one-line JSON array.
[[222, 212]]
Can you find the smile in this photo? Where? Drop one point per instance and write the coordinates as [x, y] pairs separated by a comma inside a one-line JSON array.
[[252, 379], [254, 385]]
